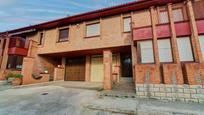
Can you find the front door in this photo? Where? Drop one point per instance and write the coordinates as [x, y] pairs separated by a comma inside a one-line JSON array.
[[126, 65], [75, 69]]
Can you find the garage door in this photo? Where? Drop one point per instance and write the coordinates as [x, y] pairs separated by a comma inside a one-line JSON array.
[[97, 71], [75, 69]]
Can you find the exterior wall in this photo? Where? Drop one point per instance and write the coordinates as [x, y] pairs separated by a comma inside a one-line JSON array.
[[177, 80], [110, 37]]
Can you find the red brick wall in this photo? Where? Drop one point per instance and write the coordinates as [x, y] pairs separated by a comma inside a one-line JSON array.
[[171, 70], [142, 71]]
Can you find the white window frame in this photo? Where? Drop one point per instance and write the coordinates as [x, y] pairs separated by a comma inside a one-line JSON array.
[[146, 52], [93, 29], [165, 52], [185, 50], [126, 24]]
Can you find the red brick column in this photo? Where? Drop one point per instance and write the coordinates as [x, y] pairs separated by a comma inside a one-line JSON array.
[[1, 49], [173, 35], [107, 61], [88, 69], [194, 36], [155, 44], [5, 55]]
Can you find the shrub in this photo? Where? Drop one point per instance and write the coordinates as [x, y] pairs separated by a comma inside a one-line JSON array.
[[18, 76]]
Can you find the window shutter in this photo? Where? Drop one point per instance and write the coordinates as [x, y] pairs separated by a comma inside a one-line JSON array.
[[93, 30], [178, 15], [165, 53], [146, 51], [185, 49], [164, 17], [201, 40], [126, 24]]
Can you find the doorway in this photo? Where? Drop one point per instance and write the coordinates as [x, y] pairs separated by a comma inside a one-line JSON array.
[[126, 65]]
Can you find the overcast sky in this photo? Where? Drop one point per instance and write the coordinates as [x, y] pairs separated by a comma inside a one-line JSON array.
[[20, 13]]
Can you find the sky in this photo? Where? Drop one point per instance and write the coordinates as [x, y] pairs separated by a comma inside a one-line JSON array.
[[20, 13]]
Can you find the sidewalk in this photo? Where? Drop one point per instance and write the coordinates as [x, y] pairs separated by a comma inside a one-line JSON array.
[[125, 106]]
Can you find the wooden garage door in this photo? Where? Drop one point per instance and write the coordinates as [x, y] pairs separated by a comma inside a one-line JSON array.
[[75, 69], [97, 71]]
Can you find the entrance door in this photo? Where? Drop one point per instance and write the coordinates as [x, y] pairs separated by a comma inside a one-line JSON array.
[[97, 71], [126, 64], [75, 69]]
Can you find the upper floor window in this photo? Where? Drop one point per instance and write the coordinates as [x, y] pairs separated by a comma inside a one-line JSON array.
[[177, 15], [93, 30], [185, 49], [41, 39], [201, 40], [163, 17], [63, 35], [126, 24], [165, 53], [145, 50]]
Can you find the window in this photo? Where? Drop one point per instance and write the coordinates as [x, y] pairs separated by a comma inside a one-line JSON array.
[[163, 17], [201, 40], [165, 53], [178, 15], [41, 39], [92, 30], [126, 24], [145, 50], [63, 34], [185, 49], [14, 62]]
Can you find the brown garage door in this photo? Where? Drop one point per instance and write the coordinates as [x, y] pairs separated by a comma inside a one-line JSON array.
[[75, 69]]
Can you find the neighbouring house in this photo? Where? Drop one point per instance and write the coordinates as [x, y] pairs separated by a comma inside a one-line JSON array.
[[157, 43]]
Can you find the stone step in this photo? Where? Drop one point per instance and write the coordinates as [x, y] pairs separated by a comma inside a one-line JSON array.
[[4, 82], [117, 94]]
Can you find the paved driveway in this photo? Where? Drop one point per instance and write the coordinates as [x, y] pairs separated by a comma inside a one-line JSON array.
[[44, 100]]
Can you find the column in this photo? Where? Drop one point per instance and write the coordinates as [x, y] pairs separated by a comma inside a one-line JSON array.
[[194, 35], [5, 55], [1, 49], [107, 61], [88, 69], [154, 32], [173, 35]]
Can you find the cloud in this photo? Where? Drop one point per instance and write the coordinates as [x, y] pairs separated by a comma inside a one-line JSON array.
[[7, 2], [50, 11]]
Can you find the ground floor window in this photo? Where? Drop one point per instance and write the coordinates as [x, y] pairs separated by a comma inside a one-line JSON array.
[[145, 51], [165, 53], [15, 62], [185, 49], [201, 40]]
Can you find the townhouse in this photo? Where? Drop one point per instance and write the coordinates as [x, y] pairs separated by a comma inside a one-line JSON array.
[[159, 44]]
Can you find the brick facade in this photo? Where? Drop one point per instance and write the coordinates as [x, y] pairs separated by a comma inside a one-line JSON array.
[[162, 78]]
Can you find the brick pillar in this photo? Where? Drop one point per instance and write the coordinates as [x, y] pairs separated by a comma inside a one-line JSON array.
[[1, 49], [88, 69], [154, 32], [107, 61], [5, 55], [133, 51], [194, 36], [173, 35]]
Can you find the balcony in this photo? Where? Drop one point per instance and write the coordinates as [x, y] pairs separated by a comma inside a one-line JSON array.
[[163, 30], [17, 46]]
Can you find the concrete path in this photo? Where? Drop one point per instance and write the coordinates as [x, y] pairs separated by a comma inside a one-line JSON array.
[[44, 100], [60, 99], [127, 106]]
